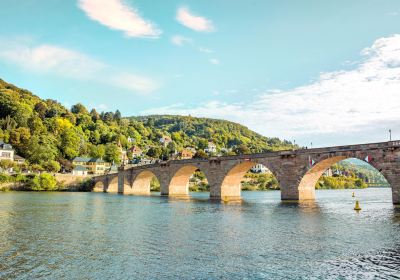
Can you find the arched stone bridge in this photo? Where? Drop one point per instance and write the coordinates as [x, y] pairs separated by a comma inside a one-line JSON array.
[[293, 170]]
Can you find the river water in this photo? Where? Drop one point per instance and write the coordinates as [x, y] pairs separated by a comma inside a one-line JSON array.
[[105, 236]]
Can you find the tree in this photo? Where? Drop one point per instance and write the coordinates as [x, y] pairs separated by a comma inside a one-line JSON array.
[[97, 151], [70, 143], [95, 116], [200, 154], [41, 109], [112, 153], [40, 149], [154, 152], [52, 166], [242, 150], [117, 116], [78, 109]]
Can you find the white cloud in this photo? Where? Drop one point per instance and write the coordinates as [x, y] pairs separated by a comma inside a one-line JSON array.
[[197, 23], [205, 50], [117, 15], [214, 61], [364, 101], [55, 60], [180, 40]]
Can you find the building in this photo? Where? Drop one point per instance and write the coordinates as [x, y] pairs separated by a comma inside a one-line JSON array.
[[165, 140], [186, 154], [123, 154], [93, 165], [131, 140], [80, 171], [6, 151], [259, 168], [136, 151], [18, 159], [211, 148], [328, 172]]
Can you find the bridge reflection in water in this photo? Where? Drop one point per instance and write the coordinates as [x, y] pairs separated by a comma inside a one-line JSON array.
[[297, 172]]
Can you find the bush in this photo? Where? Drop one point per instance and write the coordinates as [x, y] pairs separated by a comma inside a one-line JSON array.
[[43, 182], [4, 178], [48, 182]]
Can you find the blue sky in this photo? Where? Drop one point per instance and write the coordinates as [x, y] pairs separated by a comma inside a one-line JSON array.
[[310, 71]]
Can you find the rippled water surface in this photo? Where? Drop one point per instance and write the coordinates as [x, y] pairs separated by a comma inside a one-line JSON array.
[[105, 236]]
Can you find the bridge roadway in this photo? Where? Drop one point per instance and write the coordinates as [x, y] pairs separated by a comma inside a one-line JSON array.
[[293, 169]]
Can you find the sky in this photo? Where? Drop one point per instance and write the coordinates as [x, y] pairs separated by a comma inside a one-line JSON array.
[[310, 71]]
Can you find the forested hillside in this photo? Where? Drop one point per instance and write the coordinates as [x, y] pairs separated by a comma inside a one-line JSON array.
[[45, 131]]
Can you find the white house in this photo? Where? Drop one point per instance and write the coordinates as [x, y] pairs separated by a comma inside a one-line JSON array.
[[259, 168], [80, 171], [6, 151], [212, 148]]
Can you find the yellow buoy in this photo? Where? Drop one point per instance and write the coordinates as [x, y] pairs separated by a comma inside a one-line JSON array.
[[353, 195], [357, 206]]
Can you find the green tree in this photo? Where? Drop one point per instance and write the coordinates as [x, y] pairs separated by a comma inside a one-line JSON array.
[[40, 149], [154, 152], [112, 153], [97, 151], [78, 109], [52, 166]]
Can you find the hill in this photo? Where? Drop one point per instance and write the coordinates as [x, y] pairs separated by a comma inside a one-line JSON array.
[[45, 131]]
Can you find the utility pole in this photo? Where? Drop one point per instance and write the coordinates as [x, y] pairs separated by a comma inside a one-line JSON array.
[[390, 135]]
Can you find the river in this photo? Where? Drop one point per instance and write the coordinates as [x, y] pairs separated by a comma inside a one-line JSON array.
[[106, 236]]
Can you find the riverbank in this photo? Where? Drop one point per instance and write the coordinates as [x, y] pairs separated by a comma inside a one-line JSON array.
[[44, 182]]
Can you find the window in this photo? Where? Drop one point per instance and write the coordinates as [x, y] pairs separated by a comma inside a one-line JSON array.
[[6, 155]]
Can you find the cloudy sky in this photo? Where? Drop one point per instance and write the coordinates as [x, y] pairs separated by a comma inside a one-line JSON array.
[[310, 71]]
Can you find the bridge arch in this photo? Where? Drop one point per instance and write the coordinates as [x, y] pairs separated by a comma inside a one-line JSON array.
[[306, 187], [179, 183], [231, 185], [112, 185], [141, 184], [98, 186]]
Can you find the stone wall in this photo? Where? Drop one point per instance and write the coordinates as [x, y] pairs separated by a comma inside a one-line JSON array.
[[70, 181]]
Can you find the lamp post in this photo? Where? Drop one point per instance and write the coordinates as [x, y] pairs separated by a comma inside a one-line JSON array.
[[390, 135]]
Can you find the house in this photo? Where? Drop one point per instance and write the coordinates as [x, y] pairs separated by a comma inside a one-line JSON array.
[[328, 172], [165, 140], [136, 151], [259, 168], [18, 159], [6, 151], [211, 148], [186, 154], [80, 171], [93, 165], [123, 154]]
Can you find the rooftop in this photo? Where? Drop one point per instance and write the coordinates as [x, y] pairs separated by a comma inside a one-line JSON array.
[[4, 146], [80, 168], [85, 159]]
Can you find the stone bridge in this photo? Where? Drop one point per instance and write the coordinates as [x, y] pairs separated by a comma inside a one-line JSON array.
[[297, 171]]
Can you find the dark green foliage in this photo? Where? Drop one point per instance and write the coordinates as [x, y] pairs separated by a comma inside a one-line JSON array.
[[44, 131]]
